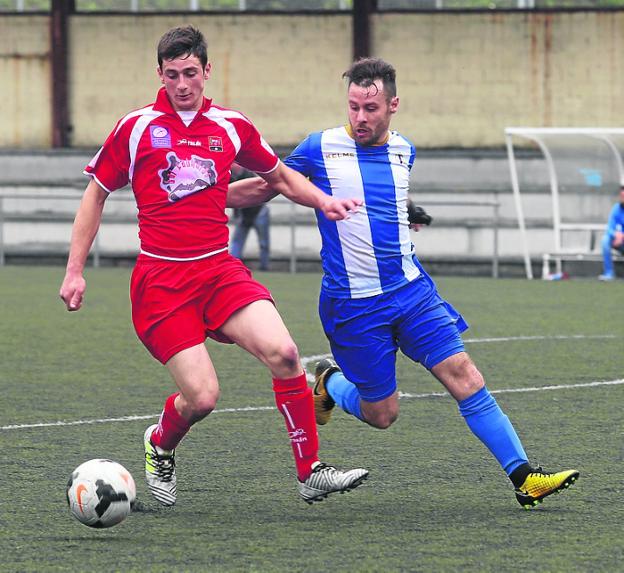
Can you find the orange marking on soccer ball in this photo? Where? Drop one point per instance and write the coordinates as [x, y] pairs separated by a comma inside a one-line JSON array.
[[79, 491]]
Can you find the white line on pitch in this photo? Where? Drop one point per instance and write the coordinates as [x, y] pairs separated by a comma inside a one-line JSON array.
[[307, 359], [530, 389], [402, 395], [553, 337]]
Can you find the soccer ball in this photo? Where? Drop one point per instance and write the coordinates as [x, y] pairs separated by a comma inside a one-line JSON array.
[[100, 493]]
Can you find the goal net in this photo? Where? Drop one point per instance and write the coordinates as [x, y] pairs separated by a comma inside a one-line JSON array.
[[581, 170]]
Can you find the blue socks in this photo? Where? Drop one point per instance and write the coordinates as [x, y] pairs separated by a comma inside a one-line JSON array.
[[345, 394], [488, 422], [482, 414]]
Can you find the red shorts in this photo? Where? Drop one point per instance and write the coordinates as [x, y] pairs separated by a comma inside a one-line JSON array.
[[176, 305]]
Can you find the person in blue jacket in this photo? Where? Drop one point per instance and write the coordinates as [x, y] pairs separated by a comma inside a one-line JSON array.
[[613, 238]]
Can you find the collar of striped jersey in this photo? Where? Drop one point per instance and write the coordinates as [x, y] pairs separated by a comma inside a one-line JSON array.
[[163, 104], [350, 134]]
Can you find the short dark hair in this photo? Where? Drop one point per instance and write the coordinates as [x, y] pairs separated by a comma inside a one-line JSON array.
[[183, 41], [365, 71]]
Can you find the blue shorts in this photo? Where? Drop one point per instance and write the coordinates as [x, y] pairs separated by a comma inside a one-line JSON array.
[[365, 334]]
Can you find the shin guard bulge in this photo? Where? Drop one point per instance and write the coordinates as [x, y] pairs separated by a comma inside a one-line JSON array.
[[294, 401], [172, 427], [488, 422]]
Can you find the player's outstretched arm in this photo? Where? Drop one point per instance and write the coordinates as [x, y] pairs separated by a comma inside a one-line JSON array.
[[297, 188], [248, 192], [86, 225]]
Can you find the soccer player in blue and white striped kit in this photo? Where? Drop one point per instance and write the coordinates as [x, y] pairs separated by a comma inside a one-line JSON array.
[[375, 296]]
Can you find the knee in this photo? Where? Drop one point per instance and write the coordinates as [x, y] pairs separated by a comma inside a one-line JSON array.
[[473, 381], [382, 420], [199, 406], [283, 358], [461, 377], [469, 385]]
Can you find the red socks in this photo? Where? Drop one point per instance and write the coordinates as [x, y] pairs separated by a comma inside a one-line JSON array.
[[171, 427], [295, 403]]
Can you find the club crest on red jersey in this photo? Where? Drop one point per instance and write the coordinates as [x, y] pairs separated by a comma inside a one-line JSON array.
[[215, 144], [184, 177]]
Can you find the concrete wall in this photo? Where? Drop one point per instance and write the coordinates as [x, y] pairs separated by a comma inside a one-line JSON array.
[[281, 71], [463, 77], [25, 108]]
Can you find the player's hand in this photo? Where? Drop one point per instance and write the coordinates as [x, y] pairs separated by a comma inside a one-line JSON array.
[[72, 291], [618, 239], [417, 216], [338, 209]]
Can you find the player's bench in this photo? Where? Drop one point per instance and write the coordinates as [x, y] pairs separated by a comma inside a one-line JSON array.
[[591, 253]]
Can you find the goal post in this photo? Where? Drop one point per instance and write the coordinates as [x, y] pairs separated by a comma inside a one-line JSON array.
[[600, 148]]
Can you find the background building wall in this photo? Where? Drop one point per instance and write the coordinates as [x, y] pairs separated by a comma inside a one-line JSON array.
[[281, 71], [25, 108], [462, 77]]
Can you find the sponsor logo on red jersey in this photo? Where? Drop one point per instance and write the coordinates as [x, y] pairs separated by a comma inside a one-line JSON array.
[[189, 142], [160, 136]]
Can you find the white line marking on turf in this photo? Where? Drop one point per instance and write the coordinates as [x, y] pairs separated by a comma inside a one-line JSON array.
[[553, 337], [530, 389], [125, 418], [308, 359], [402, 395]]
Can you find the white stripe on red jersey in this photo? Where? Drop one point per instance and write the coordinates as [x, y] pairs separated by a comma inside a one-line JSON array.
[[179, 173]]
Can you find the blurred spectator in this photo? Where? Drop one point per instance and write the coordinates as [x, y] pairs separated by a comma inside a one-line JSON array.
[[258, 218], [613, 238]]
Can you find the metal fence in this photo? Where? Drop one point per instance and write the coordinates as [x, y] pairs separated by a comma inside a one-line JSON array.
[[153, 6], [51, 208]]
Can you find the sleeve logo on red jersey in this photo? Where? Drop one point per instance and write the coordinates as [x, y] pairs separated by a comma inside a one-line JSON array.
[[186, 176], [160, 136]]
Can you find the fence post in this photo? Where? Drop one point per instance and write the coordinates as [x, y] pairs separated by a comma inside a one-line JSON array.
[[293, 241], [1, 231], [495, 246]]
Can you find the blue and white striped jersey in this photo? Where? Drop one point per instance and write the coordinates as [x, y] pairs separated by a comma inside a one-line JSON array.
[[371, 252]]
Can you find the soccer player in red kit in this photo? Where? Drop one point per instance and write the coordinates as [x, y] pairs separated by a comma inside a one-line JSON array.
[[177, 154]]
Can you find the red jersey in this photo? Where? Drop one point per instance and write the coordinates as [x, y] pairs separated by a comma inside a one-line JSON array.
[[180, 174]]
